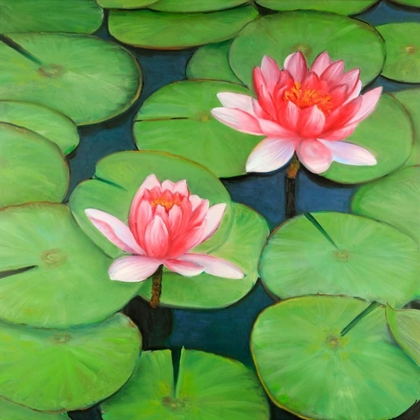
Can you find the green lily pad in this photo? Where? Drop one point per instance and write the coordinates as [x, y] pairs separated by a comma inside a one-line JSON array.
[[208, 387], [118, 178], [51, 274], [211, 62], [62, 370], [405, 328], [243, 248], [12, 411], [402, 42], [177, 119], [84, 77], [80, 16], [394, 199], [161, 30], [188, 6], [125, 4], [388, 134], [51, 124], [369, 260], [308, 368], [411, 100], [346, 7], [279, 35], [31, 167], [411, 3]]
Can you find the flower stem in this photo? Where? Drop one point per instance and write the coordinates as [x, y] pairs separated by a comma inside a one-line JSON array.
[[290, 184], [156, 288]]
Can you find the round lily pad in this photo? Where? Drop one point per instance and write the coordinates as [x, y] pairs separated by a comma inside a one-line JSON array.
[[347, 7], [308, 368], [341, 254], [51, 274], [186, 6], [208, 387], [242, 247], [162, 30], [51, 124], [119, 176], [177, 119], [62, 370], [125, 4], [12, 411], [405, 328], [411, 3], [394, 199], [279, 35], [31, 167], [211, 62], [411, 100], [84, 77], [388, 134], [402, 42], [80, 16]]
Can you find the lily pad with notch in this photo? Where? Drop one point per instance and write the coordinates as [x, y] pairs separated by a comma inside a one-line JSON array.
[[12, 411], [206, 388], [194, 6], [341, 254]]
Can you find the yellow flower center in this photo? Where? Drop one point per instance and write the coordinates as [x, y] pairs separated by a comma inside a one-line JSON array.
[[167, 204]]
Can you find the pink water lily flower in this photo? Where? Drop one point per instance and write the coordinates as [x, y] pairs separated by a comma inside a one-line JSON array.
[[165, 223], [307, 111]]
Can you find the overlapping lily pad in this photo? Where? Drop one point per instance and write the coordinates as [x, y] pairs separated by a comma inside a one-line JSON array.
[[84, 77], [402, 42], [125, 4], [12, 411], [388, 134], [162, 30], [187, 6], [308, 368], [207, 387], [345, 255], [80, 16], [51, 124], [177, 119], [31, 167], [62, 370], [242, 247], [51, 274], [279, 35], [118, 178]]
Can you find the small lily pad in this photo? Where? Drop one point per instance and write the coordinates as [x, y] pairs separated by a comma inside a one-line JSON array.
[[31, 167], [361, 375], [162, 30], [118, 177], [51, 274], [394, 199], [281, 34], [84, 77], [62, 370], [177, 119], [12, 411], [242, 248], [345, 255], [402, 41], [405, 328], [125, 4], [79, 16], [188, 6], [208, 387], [51, 124]]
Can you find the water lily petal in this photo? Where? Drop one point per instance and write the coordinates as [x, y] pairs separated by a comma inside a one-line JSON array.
[[271, 72], [133, 268], [311, 122], [314, 155], [350, 154], [238, 120], [213, 219], [273, 129], [321, 63], [156, 238], [333, 73], [236, 100], [340, 133], [185, 268], [296, 65], [369, 102]]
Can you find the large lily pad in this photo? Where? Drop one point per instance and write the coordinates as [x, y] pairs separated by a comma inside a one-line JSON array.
[[31, 167], [62, 370], [80, 16], [177, 119], [394, 199], [353, 256], [208, 387], [279, 35], [308, 368], [52, 275], [402, 42], [12, 411], [125, 4], [242, 247], [51, 124], [388, 134], [118, 178], [187, 6], [84, 77], [162, 30]]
